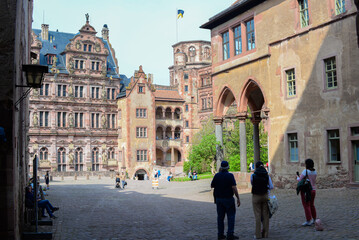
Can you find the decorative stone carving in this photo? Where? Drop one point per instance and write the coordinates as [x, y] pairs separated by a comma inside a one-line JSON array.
[[71, 120], [78, 45], [70, 91], [103, 92], [103, 121], [35, 120], [98, 47]]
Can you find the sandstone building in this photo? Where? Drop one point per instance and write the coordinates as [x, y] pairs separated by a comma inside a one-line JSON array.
[[294, 63], [73, 117]]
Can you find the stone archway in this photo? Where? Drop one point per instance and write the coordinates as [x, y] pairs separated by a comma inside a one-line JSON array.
[[252, 96], [140, 174]]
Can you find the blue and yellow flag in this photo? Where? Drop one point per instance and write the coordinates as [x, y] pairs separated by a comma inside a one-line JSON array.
[[180, 13]]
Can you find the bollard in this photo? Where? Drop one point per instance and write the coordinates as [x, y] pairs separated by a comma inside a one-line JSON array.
[[51, 179], [155, 183], [62, 178], [99, 176], [75, 177], [87, 177]]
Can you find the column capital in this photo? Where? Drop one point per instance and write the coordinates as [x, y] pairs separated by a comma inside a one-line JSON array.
[[256, 120], [218, 120], [242, 116]]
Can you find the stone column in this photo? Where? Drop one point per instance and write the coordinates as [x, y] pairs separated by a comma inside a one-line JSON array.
[[173, 115], [173, 134], [163, 133], [256, 139], [242, 140], [163, 114], [219, 137], [172, 156]]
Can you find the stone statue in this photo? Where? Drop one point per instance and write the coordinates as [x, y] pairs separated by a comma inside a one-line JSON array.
[[103, 121], [104, 157], [87, 17], [71, 158], [70, 91], [71, 120], [103, 94], [35, 120]]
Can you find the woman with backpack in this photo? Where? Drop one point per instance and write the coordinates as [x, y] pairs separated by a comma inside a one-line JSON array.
[[261, 184], [310, 175]]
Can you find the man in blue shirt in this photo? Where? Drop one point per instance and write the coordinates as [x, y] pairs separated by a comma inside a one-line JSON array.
[[224, 186]]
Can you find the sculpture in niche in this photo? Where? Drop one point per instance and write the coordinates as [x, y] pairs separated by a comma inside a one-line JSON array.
[[97, 47], [103, 121], [71, 158], [35, 120], [71, 120], [70, 91], [103, 92], [78, 45], [104, 155]]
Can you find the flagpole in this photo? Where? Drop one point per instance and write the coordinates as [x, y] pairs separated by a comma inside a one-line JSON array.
[[176, 25]]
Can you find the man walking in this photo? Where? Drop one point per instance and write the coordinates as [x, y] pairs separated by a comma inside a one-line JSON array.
[[224, 186]]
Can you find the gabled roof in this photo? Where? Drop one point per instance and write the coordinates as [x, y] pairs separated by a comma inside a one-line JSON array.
[[56, 45], [237, 8]]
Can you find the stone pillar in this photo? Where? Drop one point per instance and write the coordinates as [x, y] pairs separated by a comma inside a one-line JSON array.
[[172, 156], [256, 140], [173, 115], [219, 137], [164, 134], [243, 141], [173, 134], [163, 114]]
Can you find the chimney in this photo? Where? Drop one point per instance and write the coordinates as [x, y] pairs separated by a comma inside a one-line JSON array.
[[45, 31], [104, 32]]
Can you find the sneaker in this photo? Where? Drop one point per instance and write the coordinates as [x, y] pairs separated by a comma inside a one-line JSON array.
[[53, 217], [312, 222], [223, 237], [307, 223], [232, 237], [55, 209]]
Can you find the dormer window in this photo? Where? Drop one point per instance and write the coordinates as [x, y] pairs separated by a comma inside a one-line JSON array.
[[50, 58]]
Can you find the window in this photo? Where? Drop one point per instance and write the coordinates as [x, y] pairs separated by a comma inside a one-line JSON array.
[[291, 88], [61, 119], [95, 120], [251, 43], [339, 6], [95, 92], [141, 89], [303, 13], [61, 160], [76, 64], [333, 145], [354, 131], [79, 91], [79, 120], [111, 120], [79, 160], [61, 90], [141, 113], [185, 76], [237, 40], [186, 88], [44, 154], [204, 103], [81, 64], [186, 107], [110, 93], [113, 93], [141, 155], [187, 124], [97, 66], [111, 154], [44, 90], [330, 73], [192, 51], [44, 119], [85, 47], [93, 65], [207, 52], [141, 132], [95, 160], [225, 45], [293, 147], [90, 48], [187, 139]]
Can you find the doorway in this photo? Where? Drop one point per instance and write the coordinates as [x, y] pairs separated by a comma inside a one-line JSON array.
[[140, 174]]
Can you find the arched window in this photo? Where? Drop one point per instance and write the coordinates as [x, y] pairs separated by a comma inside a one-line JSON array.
[[168, 134], [95, 159], [207, 53], [43, 154], [177, 113], [159, 113], [61, 160], [159, 133], [168, 113], [79, 160], [111, 154], [177, 133], [192, 51]]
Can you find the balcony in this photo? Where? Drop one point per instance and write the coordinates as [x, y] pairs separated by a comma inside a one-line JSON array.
[[165, 143]]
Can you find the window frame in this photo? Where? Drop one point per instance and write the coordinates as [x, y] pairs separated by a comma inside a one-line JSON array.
[[141, 155], [288, 96], [225, 45], [141, 132], [303, 12], [237, 39], [326, 82], [251, 32], [141, 112], [289, 147], [328, 146], [343, 7]]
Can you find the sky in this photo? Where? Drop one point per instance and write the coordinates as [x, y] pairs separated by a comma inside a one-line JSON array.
[[142, 32]]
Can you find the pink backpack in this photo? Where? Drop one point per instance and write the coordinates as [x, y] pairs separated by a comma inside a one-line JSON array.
[[318, 225]]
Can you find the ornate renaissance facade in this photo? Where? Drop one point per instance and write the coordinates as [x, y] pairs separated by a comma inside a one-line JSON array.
[[73, 117]]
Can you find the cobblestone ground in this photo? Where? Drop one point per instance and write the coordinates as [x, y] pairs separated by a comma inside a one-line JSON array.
[[95, 209]]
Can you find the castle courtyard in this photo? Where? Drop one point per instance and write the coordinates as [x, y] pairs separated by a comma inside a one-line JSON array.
[[95, 209]]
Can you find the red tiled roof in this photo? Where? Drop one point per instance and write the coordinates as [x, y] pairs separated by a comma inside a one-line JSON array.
[[169, 95]]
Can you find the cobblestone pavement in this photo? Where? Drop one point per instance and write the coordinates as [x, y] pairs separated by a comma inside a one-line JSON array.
[[95, 209]]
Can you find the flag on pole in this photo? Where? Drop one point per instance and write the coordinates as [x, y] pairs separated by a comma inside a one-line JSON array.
[[180, 13]]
